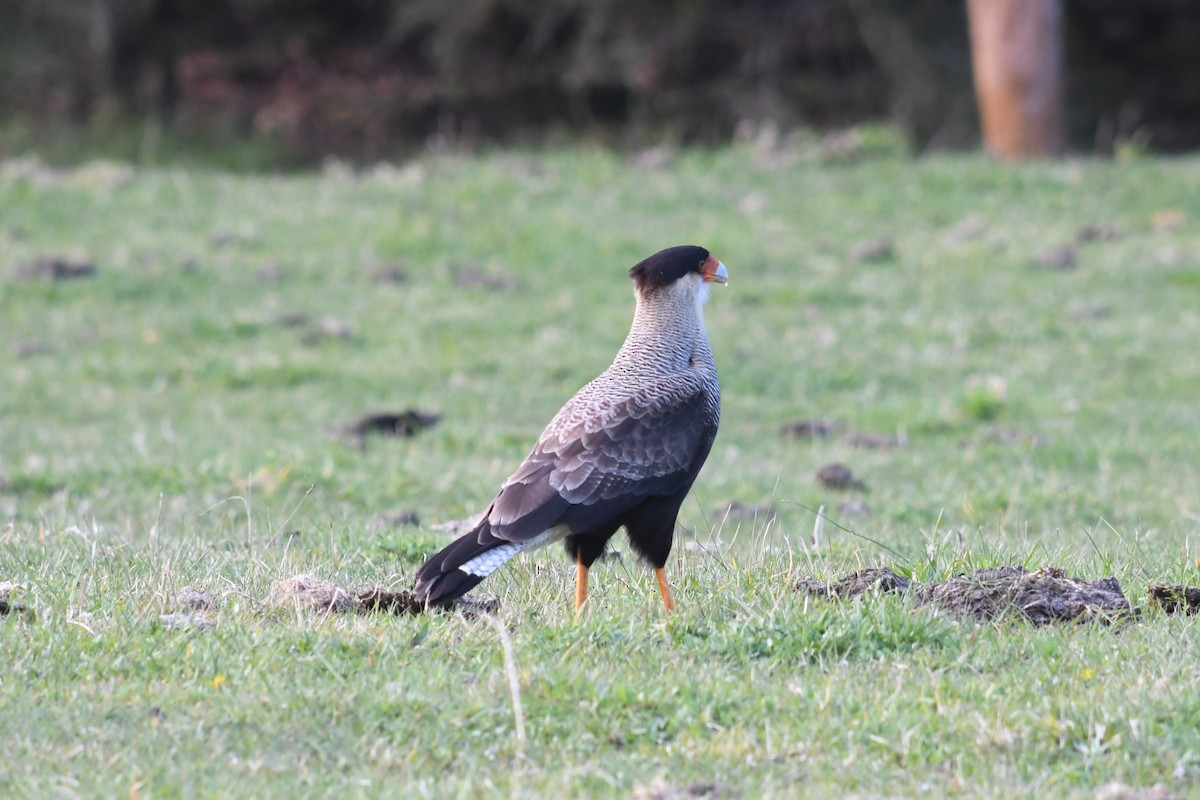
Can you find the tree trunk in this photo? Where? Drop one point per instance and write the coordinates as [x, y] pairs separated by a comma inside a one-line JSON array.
[[1016, 50]]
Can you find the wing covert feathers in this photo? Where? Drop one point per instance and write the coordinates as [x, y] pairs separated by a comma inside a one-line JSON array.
[[645, 450]]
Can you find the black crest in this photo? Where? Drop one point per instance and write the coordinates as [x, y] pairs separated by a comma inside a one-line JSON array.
[[667, 266]]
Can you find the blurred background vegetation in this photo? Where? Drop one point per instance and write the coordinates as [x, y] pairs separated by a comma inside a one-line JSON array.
[[297, 80]]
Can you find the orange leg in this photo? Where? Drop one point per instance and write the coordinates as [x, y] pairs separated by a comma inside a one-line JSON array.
[[664, 589], [581, 576]]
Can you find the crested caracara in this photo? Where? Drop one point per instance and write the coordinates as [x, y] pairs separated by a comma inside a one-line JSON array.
[[623, 452]]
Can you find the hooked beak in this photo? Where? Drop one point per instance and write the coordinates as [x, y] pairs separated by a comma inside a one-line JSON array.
[[714, 271]]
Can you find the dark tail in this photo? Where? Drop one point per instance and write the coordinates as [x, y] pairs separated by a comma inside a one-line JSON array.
[[461, 566]]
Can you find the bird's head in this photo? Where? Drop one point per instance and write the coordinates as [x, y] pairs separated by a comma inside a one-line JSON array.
[[687, 268]]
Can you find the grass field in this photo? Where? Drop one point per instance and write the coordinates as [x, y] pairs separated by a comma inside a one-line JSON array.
[[1021, 339]]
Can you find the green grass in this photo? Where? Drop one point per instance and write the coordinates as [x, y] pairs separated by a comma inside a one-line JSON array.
[[162, 426]]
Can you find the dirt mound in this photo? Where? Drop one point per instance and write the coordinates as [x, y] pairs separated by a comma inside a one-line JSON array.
[[383, 601], [838, 477], [1120, 791], [312, 593], [822, 428], [1043, 596], [408, 422], [857, 584], [194, 599], [811, 428], [1175, 598], [6, 607], [57, 268], [661, 790]]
